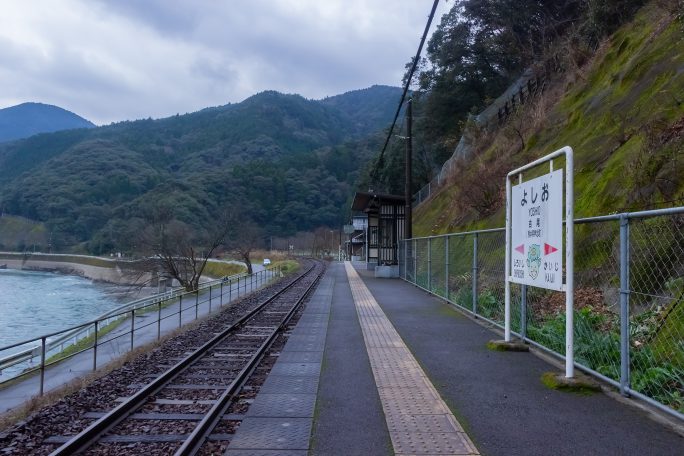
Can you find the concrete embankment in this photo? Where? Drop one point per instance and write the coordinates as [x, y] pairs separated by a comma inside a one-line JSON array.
[[94, 268]]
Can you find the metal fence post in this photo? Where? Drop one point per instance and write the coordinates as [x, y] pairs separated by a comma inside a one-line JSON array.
[[210, 299], [95, 348], [415, 263], [180, 311], [159, 306], [230, 290], [132, 327], [446, 268], [475, 272], [523, 312], [405, 242], [429, 281], [624, 306], [42, 365], [196, 303], [238, 287]]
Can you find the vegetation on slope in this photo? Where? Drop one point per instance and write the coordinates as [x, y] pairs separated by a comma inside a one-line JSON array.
[[478, 49], [623, 114], [289, 163]]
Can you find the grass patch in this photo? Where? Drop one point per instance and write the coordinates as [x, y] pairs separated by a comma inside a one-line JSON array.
[[287, 266], [84, 343], [217, 269]]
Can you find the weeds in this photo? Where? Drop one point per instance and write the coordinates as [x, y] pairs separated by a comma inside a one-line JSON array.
[[597, 346]]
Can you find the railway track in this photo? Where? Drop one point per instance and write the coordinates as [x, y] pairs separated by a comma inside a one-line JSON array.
[[184, 407]]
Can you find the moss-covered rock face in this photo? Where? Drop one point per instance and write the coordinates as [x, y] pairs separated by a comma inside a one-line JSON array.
[[622, 113]]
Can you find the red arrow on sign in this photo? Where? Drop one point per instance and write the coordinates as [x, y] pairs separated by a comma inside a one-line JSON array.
[[549, 249], [521, 248]]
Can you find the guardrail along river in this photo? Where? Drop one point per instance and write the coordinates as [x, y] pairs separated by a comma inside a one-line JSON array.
[[35, 303]]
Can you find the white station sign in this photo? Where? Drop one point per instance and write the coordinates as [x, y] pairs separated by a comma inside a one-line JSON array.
[[537, 232]]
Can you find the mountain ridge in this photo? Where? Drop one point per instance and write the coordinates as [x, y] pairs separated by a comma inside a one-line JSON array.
[[27, 119], [288, 161]]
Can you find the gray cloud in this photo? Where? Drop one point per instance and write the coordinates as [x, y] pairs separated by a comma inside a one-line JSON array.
[[111, 60]]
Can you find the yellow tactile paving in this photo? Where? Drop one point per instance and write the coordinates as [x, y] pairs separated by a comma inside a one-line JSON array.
[[418, 420]]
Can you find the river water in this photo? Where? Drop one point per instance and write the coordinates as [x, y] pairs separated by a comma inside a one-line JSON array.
[[37, 303]]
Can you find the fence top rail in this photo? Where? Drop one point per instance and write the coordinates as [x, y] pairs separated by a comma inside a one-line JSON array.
[[597, 219], [633, 215], [462, 233]]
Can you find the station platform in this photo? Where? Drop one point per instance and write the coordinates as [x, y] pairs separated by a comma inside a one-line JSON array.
[[380, 367]]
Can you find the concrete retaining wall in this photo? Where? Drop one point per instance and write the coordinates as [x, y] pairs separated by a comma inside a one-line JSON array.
[[113, 273]]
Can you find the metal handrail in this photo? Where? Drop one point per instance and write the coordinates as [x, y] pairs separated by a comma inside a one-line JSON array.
[[76, 332]]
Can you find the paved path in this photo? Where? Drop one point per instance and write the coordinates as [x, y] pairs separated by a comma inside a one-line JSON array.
[[119, 341], [349, 413], [279, 420], [498, 397], [418, 420]]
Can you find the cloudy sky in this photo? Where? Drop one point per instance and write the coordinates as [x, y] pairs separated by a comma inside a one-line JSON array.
[[112, 60]]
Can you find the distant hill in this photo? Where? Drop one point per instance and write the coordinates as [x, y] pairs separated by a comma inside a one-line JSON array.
[[370, 107], [290, 162], [28, 119]]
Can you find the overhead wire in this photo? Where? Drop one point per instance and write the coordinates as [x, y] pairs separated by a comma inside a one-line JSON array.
[[416, 59]]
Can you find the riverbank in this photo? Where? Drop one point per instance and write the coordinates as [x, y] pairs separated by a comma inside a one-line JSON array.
[[114, 271]]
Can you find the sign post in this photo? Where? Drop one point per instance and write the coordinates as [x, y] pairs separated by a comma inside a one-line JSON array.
[[349, 230], [534, 238]]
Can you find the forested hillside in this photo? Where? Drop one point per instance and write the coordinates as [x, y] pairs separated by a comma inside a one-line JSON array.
[[287, 163]]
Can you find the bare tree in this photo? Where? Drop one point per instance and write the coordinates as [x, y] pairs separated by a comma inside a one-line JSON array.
[[242, 237], [177, 249]]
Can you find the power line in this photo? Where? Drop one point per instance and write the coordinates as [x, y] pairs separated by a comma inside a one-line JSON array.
[[406, 87]]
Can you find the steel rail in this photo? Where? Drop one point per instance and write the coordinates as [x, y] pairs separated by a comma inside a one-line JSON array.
[[196, 439], [94, 431]]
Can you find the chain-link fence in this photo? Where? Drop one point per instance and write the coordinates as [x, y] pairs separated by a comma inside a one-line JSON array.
[[628, 310]]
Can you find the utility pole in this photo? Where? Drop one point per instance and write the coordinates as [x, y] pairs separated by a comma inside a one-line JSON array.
[[408, 232]]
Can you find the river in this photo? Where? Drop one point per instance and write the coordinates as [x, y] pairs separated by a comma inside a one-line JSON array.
[[37, 303]]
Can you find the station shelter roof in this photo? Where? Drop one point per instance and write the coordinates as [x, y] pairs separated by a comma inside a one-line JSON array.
[[370, 202]]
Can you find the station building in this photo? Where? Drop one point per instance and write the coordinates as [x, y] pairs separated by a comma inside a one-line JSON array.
[[385, 227]]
